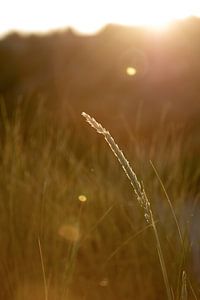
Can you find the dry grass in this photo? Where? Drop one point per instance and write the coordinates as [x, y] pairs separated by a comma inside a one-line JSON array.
[[139, 192], [101, 247]]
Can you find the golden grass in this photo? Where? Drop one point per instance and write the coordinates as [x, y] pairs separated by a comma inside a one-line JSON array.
[[139, 191], [102, 247]]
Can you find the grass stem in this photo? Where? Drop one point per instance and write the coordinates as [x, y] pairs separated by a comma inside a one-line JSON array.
[[139, 191]]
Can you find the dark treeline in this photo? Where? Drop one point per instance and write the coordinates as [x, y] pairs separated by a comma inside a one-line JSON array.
[[75, 73]]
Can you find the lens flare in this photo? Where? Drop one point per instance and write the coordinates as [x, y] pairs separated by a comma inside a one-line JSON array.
[[82, 198], [130, 71]]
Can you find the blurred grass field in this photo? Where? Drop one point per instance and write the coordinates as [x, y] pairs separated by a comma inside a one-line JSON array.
[[70, 226]]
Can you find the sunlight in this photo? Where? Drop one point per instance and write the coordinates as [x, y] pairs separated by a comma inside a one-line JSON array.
[[155, 13], [89, 16]]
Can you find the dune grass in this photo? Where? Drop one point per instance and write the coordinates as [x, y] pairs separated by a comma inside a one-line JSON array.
[[69, 228]]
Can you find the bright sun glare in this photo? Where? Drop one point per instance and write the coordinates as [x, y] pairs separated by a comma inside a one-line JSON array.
[[88, 16]]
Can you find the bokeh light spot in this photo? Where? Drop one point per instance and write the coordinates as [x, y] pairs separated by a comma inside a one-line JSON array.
[[82, 198], [69, 232], [104, 282], [130, 71]]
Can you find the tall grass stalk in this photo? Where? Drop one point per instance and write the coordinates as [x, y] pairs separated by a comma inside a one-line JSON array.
[[182, 256], [184, 293], [43, 271], [169, 202], [139, 192]]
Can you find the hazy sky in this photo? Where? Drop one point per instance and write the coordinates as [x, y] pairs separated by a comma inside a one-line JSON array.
[[90, 15]]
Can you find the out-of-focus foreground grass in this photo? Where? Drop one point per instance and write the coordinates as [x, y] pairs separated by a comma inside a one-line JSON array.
[[70, 226]]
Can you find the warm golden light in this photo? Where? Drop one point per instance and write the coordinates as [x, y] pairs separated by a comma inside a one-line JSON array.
[[82, 198], [88, 16], [131, 71]]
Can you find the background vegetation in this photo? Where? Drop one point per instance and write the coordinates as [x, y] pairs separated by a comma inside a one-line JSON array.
[[55, 245]]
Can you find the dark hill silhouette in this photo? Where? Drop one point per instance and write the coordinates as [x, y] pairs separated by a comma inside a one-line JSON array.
[[78, 73]]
